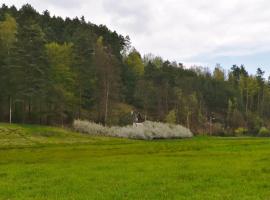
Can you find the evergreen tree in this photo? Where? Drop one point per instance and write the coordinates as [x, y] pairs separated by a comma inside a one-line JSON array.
[[8, 72], [30, 59]]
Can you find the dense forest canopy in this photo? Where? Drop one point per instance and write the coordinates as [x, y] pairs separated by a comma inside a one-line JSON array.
[[55, 70]]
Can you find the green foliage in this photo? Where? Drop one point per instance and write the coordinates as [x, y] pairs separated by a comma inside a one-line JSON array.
[[51, 57], [241, 131], [264, 132], [218, 129], [8, 30], [60, 59], [135, 63], [108, 78], [236, 119], [171, 117], [121, 115], [219, 74], [56, 70], [254, 122], [61, 78], [30, 58]]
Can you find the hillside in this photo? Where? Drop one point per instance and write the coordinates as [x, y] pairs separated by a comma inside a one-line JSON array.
[[54, 70]]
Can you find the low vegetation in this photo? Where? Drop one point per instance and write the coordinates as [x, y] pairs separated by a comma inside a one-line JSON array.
[[20, 136], [147, 130], [40, 163], [264, 132]]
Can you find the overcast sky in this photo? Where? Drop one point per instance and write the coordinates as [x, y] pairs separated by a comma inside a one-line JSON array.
[[203, 32]]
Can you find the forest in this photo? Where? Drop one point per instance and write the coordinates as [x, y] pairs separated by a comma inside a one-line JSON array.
[[55, 70]]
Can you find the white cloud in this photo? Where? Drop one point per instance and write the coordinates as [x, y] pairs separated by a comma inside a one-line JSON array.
[[181, 30]]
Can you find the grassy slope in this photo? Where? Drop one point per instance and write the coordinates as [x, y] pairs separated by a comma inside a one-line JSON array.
[[51, 163]]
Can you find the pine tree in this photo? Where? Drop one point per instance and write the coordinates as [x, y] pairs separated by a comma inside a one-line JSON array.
[[30, 59], [8, 30]]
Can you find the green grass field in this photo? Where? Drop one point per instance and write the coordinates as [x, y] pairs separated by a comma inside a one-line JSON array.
[[51, 163]]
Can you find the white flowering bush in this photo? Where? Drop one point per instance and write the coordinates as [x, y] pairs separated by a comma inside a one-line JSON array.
[[89, 127], [147, 130]]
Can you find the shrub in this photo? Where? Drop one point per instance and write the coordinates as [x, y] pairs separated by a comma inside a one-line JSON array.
[[240, 131], [237, 119], [171, 117], [147, 130], [218, 129], [264, 132], [254, 122], [120, 114], [89, 127]]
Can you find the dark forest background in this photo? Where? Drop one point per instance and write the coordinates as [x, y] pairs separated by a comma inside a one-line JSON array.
[[55, 70]]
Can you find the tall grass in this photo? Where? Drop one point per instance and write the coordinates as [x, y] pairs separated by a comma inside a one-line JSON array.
[[147, 130]]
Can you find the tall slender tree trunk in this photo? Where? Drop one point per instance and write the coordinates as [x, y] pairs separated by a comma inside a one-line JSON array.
[[10, 109], [1, 111], [262, 103], [10, 97], [62, 118], [211, 125], [258, 102], [247, 103], [159, 108], [188, 120], [40, 116], [23, 110], [106, 103], [80, 106], [166, 101], [29, 111]]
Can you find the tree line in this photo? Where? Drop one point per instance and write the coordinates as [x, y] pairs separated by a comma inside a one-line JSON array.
[[55, 70]]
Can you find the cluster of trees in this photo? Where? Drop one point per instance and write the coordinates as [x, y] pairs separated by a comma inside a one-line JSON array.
[[54, 70]]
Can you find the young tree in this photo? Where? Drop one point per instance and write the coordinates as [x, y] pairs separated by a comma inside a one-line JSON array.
[[132, 73], [171, 117], [61, 89], [135, 63], [260, 94], [219, 74]]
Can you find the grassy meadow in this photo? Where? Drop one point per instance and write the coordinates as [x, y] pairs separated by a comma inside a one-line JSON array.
[[40, 163]]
